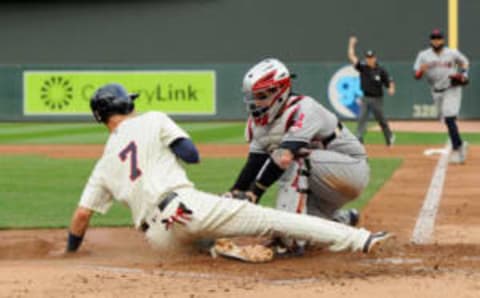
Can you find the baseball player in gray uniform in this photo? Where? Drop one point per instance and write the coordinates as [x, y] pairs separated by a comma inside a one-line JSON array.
[[290, 135], [140, 167], [446, 70]]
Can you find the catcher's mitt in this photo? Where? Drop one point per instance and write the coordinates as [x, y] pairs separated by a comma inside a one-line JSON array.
[[458, 79], [251, 253]]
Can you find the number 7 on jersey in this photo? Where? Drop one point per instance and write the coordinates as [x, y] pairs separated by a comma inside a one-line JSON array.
[[131, 148]]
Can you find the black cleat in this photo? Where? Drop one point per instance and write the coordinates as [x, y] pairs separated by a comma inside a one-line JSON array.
[[375, 241]]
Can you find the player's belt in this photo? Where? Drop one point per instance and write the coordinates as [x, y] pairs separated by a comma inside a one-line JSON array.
[[440, 90], [334, 134], [161, 206]]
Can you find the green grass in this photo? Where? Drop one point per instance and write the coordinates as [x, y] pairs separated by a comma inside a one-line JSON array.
[[93, 133], [41, 192], [201, 132], [381, 171], [52, 133]]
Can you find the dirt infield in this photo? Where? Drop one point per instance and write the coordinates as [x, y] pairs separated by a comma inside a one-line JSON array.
[[118, 262]]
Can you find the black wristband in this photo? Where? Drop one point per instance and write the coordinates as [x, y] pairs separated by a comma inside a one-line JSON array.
[[267, 176], [294, 146], [258, 190], [73, 242]]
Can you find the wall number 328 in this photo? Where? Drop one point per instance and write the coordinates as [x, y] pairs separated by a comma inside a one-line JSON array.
[[424, 111]]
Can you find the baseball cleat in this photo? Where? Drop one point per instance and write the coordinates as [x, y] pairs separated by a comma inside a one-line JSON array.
[[376, 240], [391, 140], [460, 155], [295, 248], [456, 157], [349, 217]]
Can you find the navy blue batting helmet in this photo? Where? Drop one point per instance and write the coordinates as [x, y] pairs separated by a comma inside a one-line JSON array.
[[111, 99]]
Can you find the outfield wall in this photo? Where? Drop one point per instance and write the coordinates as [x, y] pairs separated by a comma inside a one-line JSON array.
[[412, 100], [222, 31]]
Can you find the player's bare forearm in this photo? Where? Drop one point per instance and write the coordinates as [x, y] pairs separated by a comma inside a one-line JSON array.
[[351, 50], [78, 227], [80, 221], [391, 89], [463, 67], [419, 72]]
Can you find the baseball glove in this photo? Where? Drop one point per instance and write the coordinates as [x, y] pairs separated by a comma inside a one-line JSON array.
[[458, 79], [246, 252]]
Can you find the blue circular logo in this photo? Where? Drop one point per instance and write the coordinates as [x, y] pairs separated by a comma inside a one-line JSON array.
[[344, 91]]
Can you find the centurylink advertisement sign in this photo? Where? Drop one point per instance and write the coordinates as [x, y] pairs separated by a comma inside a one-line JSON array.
[[69, 92]]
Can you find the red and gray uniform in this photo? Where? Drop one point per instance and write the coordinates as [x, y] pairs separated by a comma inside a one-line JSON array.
[[339, 169], [440, 67]]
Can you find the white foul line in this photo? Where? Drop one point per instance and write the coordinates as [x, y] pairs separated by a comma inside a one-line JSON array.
[[422, 233]]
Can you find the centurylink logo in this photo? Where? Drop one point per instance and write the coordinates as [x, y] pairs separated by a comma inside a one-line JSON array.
[[344, 91], [56, 93]]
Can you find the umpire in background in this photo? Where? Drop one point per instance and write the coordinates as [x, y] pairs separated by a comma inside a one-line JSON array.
[[373, 78]]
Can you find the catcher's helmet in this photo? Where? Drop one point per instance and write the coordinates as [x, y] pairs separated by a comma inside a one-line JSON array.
[[269, 82], [111, 99]]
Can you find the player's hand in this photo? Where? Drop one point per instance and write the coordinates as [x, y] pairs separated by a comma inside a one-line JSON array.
[[241, 195], [227, 195], [233, 194], [391, 91], [458, 79], [251, 197], [353, 40], [424, 67]]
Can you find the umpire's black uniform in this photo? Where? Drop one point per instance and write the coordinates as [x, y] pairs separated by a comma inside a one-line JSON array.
[[372, 81]]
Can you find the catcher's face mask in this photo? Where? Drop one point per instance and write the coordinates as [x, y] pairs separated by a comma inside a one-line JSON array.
[[266, 87]]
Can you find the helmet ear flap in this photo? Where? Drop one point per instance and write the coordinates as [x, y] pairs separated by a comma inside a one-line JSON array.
[[101, 107], [130, 107], [111, 99]]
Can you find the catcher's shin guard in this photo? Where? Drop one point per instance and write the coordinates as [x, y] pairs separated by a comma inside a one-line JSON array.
[[292, 197]]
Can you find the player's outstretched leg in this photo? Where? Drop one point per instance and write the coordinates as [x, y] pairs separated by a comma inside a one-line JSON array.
[[230, 217], [213, 216]]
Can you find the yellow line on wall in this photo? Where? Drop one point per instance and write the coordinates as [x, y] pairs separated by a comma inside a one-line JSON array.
[[453, 24]]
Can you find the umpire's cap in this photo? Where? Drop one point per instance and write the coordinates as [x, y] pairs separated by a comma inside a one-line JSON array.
[[369, 53], [436, 34], [111, 99]]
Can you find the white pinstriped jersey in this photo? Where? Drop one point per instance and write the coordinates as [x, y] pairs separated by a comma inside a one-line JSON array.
[[440, 66], [137, 166]]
